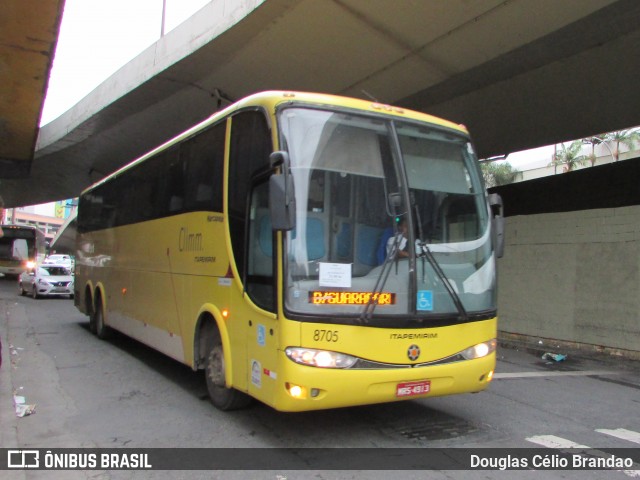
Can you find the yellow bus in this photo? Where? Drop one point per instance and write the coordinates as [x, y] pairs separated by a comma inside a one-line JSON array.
[[22, 247], [306, 250]]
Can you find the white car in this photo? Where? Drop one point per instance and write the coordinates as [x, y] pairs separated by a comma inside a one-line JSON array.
[[47, 281]]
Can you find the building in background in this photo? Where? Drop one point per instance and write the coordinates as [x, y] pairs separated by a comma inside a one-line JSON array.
[[48, 217]]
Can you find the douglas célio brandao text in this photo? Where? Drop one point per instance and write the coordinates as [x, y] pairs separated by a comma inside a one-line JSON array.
[[566, 461]]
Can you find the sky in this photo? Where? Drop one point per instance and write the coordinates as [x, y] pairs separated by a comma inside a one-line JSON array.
[[534, 158], [97, 37]]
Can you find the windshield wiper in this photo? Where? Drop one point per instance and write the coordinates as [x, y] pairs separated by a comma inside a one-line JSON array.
[[394, 201], [426, 253], [372, 303], [423, 252]]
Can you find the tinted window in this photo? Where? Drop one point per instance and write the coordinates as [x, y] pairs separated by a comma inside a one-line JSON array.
[[184, 178]]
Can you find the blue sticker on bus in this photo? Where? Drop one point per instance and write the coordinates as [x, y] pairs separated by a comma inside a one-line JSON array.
[[262, 335], [424, 300]]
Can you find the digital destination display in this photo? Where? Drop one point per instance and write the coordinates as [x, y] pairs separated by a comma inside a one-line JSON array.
[[351, 298]]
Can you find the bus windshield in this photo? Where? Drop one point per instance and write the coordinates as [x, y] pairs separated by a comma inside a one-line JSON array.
[[391, 216]]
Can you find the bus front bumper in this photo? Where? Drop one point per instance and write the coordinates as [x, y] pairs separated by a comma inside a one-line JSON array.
[[311, 388]]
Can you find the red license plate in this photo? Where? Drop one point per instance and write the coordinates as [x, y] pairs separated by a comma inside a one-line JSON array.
[[409, 389]]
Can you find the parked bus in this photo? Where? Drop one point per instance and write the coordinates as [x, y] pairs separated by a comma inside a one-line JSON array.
[[263, 247], [21, 248]]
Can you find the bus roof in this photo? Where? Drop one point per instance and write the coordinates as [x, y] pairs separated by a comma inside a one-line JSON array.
[[275, 98], [271, 100], [13, 226], [20, 228]]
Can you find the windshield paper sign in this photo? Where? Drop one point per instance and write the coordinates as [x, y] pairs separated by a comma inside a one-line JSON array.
[[335, 275]]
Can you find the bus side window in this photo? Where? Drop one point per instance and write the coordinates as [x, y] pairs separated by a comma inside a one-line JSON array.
[[176, 183], [205, 154]]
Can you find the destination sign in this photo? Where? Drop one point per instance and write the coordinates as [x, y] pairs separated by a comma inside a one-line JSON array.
[[351, 298]]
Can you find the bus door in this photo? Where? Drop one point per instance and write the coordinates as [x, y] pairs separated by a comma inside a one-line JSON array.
[[253, 318], [260, 296]]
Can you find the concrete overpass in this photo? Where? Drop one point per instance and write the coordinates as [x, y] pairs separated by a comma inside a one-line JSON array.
[[518, 73], [28, 35]]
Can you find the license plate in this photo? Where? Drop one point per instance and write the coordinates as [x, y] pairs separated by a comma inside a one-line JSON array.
[[409, 389]]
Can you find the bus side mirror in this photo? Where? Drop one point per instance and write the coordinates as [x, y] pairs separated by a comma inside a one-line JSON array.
[[282, 203], [497, 223]]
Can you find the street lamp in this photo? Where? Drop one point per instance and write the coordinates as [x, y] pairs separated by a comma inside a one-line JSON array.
[[164, 14]]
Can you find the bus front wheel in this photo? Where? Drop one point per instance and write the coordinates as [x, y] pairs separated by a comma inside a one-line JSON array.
[[221, 397]]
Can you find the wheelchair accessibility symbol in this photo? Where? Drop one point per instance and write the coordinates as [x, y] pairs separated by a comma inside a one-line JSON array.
[[424, 300]]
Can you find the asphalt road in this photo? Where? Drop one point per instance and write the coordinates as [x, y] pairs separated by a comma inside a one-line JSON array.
[[90, 393]]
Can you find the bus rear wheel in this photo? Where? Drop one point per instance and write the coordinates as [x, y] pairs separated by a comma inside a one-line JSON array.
[[221, 397], [92, 322], [101, 330]]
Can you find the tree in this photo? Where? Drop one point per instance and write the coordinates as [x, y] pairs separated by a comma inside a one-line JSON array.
[[569, 157], [627, 137], [498, 173], [593, 141]]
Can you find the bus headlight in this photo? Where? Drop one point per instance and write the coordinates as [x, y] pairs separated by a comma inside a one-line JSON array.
[[31, 265], [480, 350], [320, 358]]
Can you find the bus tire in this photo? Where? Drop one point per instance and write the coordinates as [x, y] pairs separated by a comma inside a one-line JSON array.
[[221, 397], [92, 322], [103, 332], [91, 311]]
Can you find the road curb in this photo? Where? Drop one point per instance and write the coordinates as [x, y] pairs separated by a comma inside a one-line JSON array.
[[8, 419]]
